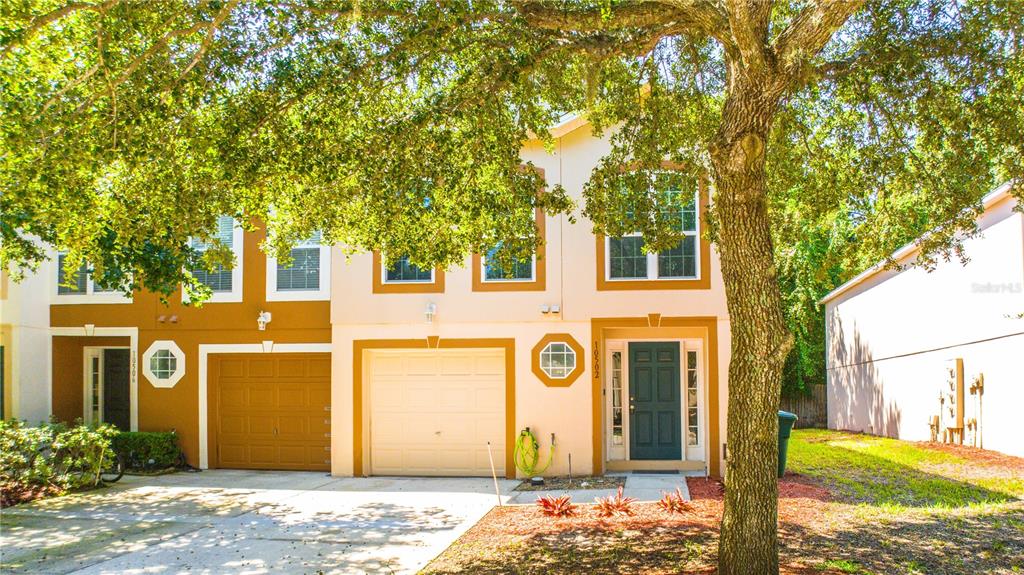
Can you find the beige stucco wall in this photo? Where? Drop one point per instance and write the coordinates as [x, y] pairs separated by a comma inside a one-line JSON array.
[[357, 313], [908, 312]]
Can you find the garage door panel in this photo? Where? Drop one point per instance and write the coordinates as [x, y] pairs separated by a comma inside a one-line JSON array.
[[458, 365], [320, 368], [292, 368], [271, 413], [458, 399], [261, 425], [232, 368], [232, 398], [260, 368], [293, 425], [262, 397], [421, 365], [491, 365], [416, 393]]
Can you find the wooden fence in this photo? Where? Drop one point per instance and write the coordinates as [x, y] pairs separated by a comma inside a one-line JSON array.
[[809, 409]]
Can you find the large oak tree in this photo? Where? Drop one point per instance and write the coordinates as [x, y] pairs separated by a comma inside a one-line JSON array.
[[127, 127]]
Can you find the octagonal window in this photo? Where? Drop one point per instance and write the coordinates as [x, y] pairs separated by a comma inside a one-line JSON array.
[[163, 363], [557, 360]]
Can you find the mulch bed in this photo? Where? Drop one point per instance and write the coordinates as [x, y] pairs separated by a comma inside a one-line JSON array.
[[563, 483], [980, 456], [520, 539], [15, 493]]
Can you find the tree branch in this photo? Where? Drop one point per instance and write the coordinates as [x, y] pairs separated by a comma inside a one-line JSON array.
[[211, 30], [40, 22], [748, 21], [811, 30], [700, 16]]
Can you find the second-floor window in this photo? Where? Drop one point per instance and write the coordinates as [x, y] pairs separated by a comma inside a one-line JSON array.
[[521, 271], [82, 282], [308, 275], [71, 282], [225, 283], [402, 271], [626, 257]]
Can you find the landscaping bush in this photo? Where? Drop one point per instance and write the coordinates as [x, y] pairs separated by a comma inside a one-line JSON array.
[[50, 458], [148, 450]]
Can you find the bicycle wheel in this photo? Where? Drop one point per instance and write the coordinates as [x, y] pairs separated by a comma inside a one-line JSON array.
[[114, 471]]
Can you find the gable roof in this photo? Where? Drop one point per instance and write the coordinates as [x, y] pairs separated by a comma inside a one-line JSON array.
[[990, 199]]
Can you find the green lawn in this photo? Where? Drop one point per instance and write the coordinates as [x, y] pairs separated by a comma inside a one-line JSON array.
[[879, 471]]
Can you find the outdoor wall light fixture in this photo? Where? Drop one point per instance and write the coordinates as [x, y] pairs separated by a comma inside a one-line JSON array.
[[263, 319], [430, 312]]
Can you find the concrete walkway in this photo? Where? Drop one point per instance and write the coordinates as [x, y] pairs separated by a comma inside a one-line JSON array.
[[241, 522], [642, 487]]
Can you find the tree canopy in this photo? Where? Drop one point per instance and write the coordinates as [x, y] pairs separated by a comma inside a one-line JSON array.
[[129, 126]]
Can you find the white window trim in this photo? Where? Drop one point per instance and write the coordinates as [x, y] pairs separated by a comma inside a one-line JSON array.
[[569, 350], [652, 258], [179, 356], [235, 295], [79, 298], [324, 291], [483, 273], [384, 276]]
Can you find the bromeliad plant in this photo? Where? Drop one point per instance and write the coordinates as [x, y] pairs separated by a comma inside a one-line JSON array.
[[527, 453], [674, 502], [556, 506], [614, 505]]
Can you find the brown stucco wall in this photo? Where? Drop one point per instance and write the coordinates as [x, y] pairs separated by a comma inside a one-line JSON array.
[[214, 323]]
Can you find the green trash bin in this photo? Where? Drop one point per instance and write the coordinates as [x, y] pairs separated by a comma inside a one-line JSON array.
[[786, 421]]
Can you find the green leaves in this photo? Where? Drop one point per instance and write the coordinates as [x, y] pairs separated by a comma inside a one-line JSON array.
[[128, 128]]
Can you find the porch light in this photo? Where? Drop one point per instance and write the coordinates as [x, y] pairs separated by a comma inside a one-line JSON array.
[[263, 319], [430, 311]]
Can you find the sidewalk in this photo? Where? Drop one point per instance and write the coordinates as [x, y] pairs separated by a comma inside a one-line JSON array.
[[643, 487]]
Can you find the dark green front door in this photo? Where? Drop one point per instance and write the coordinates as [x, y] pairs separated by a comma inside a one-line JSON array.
[[117, 388], [655, 431]]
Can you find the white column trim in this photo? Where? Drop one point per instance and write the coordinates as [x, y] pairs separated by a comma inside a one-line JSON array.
[[205, 349], [132, 333]]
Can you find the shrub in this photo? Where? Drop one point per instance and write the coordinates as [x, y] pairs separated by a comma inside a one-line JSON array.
[[614, 504], [556, 506], [147, 450], [53, 455], [674, 502]]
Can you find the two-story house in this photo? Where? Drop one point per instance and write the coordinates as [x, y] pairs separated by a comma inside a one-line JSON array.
[[368, 369]]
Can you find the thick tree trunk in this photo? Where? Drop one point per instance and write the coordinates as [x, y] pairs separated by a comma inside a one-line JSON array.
[[760, 341]]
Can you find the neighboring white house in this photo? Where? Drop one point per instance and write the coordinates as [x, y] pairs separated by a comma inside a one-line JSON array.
[[24, 346], [898, 341]]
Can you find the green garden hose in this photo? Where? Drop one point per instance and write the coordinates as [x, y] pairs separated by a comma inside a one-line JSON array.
[[527, 453]]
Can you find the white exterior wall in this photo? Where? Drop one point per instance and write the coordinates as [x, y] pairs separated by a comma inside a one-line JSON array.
[[357, 313], [896, 313], [27, 311]]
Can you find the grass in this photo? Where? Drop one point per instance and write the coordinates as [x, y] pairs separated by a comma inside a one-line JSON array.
[[886, 507], [895, 474]]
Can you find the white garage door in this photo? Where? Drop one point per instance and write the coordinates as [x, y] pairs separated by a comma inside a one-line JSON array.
[[432, 412]]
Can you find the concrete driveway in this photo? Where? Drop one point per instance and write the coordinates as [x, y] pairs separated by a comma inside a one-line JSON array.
[[245, 522]]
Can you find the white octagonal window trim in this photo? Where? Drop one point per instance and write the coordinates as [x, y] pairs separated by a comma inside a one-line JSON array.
[[163, 364], [558, 360]]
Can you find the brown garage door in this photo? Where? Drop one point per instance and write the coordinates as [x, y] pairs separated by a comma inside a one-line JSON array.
[[270, 411]]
